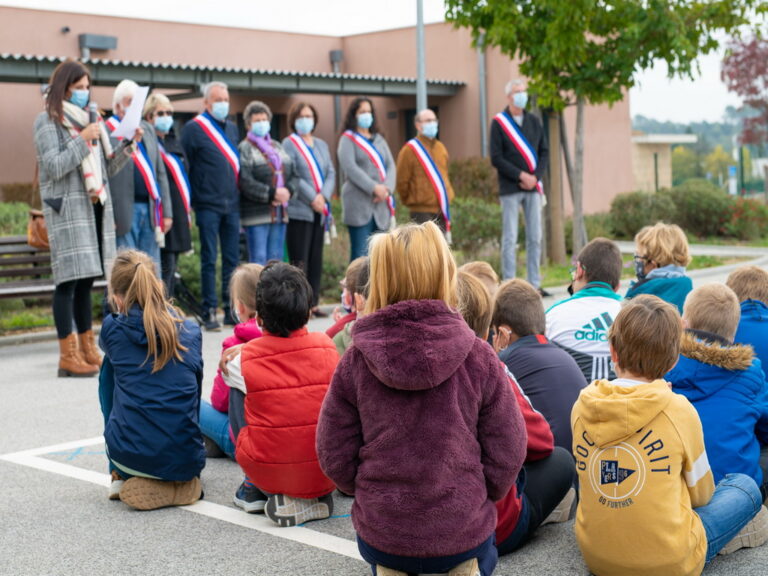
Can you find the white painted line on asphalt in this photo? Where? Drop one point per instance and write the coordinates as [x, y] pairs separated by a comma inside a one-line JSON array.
[[31, 458]]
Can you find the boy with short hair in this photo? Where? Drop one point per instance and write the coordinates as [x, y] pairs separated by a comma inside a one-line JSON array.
[[287, 373], [750, 283], [357, 287], [724, 382], [648, 501]]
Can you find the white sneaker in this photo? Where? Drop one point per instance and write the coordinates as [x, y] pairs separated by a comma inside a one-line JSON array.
[[562, 512], [754, 534], [115, 486]]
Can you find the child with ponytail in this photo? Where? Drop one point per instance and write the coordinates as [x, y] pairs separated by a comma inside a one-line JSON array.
[[149, 389]]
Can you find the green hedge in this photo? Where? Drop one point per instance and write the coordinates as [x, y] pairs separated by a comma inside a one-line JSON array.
[[633, 210]]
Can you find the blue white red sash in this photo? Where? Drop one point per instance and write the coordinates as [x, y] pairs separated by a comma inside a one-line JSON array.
[[144, 164], [318, 179], [221, 141], [434, 176], [112, 123], [179, 175], [365, 145], [520, 142]]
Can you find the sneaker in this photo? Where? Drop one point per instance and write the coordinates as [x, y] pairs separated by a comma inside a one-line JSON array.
[[384, 571], [210, 322], [286, 511], [562, 512], [754, 534], [212, 449], [150, 494], [543, 293], [250, 498], [466, 568], [115, 486]]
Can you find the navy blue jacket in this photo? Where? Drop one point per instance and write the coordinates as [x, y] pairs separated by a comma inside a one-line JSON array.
[[153, 426], [753, 328], [550, 378], [214, 185]]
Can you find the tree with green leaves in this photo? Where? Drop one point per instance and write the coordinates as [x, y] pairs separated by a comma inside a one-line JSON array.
[[589, 51]]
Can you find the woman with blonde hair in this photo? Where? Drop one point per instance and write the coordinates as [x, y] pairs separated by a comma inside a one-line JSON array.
[[420, 411], [149, 390], [661, 255]]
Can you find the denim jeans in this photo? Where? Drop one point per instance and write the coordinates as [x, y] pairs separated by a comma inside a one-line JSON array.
[[485, 553], [358, 238], [217, 228], [510, 208], [265, 242], [215, 425], [735, 502], [141, 236]]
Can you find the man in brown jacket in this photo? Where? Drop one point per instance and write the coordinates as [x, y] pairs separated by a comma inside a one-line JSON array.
[[422, 174]]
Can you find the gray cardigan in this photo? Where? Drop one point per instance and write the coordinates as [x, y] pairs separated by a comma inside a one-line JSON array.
[[72, 230], [299, 207], [123, 190], [360, 176]]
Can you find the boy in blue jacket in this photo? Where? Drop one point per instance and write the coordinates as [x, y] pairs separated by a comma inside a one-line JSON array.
[[750, 283]]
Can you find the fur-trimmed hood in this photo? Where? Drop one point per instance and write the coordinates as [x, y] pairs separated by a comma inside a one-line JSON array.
[[728, 356]]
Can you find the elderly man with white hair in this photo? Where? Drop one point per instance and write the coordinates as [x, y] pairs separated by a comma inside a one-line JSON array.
[[422, 175], [210, 143], [520, 154], [140, 193]]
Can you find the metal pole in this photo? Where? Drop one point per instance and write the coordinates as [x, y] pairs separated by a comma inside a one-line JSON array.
[[421, 75], [337, 56], [483, 97]]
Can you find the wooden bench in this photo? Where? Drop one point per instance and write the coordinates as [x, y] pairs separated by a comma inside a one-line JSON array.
[[25, 272]]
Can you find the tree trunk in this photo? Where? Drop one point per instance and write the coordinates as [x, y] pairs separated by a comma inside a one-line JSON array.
[[554, 192], [575, 171]]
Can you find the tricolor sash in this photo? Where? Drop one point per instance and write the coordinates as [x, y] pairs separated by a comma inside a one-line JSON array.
[[520, 142], [434, 176], [112, 123], [214, 132], [318, 179], [370, 150], [144, 164], [179, 175]]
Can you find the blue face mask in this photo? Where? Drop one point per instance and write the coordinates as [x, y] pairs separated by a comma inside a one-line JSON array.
[[220, 110], [261, 128], [520, 99], [80, 98], [429, 129], [164, 123], [365, 120], [304, 125]]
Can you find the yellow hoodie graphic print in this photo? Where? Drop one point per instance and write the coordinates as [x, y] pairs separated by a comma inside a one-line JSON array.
[[642, 469]]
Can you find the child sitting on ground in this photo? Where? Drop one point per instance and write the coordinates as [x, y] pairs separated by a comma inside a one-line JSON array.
[[548, 472], [648, 504], [420, 423], [149, 389], [724, 382], [358, 290], [483, 272], [287, 372], [347, 312], [214, 420], [750, 283]]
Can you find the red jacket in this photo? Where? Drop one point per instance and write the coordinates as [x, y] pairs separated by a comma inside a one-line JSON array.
[[286, 380], [541, 443]]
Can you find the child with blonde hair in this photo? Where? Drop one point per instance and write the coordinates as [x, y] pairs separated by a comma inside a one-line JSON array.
[[420, 423], [149, 389], [750, 283]]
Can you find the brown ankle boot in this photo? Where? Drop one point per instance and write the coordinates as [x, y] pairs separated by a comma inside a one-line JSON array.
[[88, 348], [71, 363]]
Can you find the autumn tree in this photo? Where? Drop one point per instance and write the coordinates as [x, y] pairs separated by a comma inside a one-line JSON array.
[[745, 72], [579, 52]]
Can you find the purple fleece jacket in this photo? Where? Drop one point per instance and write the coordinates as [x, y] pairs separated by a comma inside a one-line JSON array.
[[421, 425]]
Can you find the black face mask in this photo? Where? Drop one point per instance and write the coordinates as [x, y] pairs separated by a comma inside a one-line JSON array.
[[640, 269], [570, 288]]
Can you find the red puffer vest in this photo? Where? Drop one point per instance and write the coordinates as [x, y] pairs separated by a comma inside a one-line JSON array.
[[286, 381]]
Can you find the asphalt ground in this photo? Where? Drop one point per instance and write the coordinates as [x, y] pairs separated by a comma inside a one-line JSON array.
[[55, 518]]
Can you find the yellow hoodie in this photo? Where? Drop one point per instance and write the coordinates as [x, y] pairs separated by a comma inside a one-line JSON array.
[[642, 469]]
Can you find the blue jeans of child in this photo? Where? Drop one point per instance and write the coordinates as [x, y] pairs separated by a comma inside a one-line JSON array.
[[358, 238], [217, 228], [735, 502], [265, 242], [485, 553], [215, 425], [510, 208], [141, 236]]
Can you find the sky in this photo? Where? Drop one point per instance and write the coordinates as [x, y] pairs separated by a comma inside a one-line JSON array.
[[654, 96]]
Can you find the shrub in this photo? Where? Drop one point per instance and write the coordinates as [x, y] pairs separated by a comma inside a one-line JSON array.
[[633, 210], [474, 177], [13, 218], [598, 225], [748, 219], [475, 225], [701, 208]]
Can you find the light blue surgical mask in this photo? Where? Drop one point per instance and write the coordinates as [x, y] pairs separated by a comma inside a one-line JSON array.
[[164, 123], [305, 125], [80, 98], [260, 128], [365, 120], [520, 99], [220, 110], [429, 129]]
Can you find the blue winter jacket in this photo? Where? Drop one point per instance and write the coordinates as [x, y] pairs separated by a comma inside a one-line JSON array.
[[726, 385], [670, 289], [153, 426], [753, 328]]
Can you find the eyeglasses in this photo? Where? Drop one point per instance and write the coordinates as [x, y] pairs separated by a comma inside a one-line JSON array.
[[573, 269], [163, 113], [639, 257]]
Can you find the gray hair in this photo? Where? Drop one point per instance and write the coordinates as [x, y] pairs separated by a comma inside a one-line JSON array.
[[512, 83], [255, 107], [126, 89], [210, 86]]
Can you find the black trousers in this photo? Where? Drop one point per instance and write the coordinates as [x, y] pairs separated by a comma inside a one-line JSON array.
[[168, 265], [72, 300], [305, 250]]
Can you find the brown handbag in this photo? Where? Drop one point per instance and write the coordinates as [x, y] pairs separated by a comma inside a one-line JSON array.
[[37, 232]]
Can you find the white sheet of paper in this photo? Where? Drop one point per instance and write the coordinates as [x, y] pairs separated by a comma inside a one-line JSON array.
[[132, 118]]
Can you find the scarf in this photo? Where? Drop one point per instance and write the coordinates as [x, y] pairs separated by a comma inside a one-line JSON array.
[[669, 271], [264, 144], [74, 120]]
